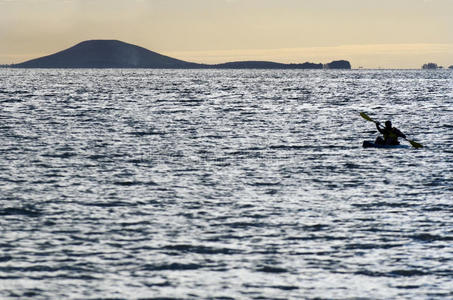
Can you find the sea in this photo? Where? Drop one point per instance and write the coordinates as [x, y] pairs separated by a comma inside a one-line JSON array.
[[224, 184]]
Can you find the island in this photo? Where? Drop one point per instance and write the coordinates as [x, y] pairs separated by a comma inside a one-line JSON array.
[[451, 67], [431, 66], [265, 65], [118, 54], [338, 64]]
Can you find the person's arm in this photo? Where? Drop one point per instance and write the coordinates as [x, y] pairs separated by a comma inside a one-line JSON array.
[[400, 133], [379, 128]]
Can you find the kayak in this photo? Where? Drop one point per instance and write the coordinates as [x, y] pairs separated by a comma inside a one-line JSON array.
[[369, 144]]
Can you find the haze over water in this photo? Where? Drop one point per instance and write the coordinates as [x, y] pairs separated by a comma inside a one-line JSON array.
[[224, 184]]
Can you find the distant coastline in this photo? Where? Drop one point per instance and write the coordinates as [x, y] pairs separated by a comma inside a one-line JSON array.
[[117, 54]]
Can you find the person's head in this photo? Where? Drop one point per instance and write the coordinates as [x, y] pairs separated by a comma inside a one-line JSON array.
[[388, 124]]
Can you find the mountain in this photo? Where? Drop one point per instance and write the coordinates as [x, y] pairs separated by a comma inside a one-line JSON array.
[[106, 54], [117, 54]]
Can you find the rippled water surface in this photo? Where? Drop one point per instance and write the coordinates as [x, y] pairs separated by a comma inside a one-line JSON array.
[[219, 184]]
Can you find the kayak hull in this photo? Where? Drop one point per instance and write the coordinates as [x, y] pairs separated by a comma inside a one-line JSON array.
[[370, 144]]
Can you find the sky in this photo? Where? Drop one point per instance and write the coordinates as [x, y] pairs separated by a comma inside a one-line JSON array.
[[368, 33]]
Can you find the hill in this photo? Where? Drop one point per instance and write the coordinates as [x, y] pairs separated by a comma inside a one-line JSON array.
[[106, 54], [266, 65]]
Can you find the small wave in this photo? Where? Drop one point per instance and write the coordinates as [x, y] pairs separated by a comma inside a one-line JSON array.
[[158, 284], [52, 181], [200, 249], [265, 184], [271, 192], [245, 224], [271, 269], [11, 101], [279, 287], [60, 155], [371, 246], [109, 204], [171, 267], [315, 227], [426, 237], [98, 156], [191, 102], [302, 238], [407, 287], [5, 258], [241, 153], [255, 149], [146, 133], [4, 179], [439, 207], [133, 183], [211, 136], [408, 273], [290, 147], [30, 293], [351, 166], [383, 204], [139, 161], [46, 269], [21, 211], [71, 277], [394, 273], [284, 287]]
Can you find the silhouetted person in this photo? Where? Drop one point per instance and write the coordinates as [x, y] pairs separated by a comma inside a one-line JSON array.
[[390, 134]]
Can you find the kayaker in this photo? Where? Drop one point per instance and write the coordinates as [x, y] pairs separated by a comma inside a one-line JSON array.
[[390, 134]]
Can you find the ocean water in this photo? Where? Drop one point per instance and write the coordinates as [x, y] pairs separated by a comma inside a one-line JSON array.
[[224, 184]]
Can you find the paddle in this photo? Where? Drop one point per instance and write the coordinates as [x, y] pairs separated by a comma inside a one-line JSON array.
[[414, 144]]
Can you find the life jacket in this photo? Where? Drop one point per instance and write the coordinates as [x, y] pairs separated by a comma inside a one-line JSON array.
[[391, 136]]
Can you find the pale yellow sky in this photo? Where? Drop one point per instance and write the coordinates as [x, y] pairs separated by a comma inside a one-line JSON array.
[[369, 33]]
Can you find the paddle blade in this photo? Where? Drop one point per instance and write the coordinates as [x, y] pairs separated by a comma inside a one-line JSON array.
[[415, 144], [366, 117]]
